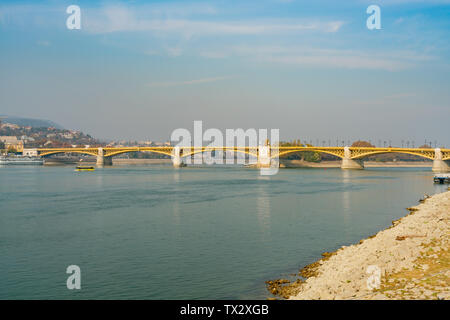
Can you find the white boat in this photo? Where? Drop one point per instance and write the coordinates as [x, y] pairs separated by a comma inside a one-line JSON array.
[[21, 160]]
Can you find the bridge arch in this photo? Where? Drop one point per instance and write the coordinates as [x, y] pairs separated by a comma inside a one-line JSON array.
[[353, 153], [284, 153], [115, 153], [428, 154], [210, 149], [49, 153]]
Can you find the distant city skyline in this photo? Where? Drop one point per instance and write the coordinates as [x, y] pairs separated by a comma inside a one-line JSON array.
[[137, 70], [6, 121]]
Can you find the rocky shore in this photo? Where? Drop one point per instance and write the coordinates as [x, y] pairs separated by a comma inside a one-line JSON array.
[[409, 260]]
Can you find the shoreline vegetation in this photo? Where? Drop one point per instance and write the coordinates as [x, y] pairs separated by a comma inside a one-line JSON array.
[[412, 256]]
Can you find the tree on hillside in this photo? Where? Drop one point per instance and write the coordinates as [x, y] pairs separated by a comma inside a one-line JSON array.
[[361, 143], [309, 156]]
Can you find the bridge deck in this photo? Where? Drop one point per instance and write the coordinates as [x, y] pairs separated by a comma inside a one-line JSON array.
[[341, 152]]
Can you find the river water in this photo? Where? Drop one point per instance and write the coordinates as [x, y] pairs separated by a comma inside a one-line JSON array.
[[154, 232]]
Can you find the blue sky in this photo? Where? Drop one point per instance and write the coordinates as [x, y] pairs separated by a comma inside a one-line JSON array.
[[140, 69]]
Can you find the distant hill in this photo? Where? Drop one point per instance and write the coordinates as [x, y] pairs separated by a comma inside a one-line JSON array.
[[36, 123], [36, 133]]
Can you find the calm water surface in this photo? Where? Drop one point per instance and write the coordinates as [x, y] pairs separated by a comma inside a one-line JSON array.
[[155, 232]]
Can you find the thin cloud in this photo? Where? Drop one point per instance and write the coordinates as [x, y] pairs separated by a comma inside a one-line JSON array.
[[43, 43], [354, 61], [401, 95], [322, 58], [184, 83], [121, 19], [335, 26], [202, 28], [388, 99], [174, 52]]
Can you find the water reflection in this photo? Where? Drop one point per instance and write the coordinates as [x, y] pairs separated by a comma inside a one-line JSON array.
[[99, 180], [176, 200], [263, 208], [346, 193]]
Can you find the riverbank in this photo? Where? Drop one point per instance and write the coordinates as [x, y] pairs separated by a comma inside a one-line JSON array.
[[116, 161], [284, 163], [409, 260], [120, 162], [368, 164]]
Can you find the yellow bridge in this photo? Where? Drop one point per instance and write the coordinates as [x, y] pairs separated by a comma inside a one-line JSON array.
[[351, 156]]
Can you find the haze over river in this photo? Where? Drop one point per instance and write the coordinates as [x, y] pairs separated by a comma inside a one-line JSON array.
[[155, 232]]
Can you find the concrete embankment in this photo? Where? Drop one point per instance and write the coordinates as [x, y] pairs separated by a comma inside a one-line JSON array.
[[116, 161], [368, 164], [284, 163], [409, 260], [141, 161]]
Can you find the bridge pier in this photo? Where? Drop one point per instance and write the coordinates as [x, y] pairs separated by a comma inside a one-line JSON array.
[[440, 165], [102, 160], [176, 157], [264, 160], [349, 163]]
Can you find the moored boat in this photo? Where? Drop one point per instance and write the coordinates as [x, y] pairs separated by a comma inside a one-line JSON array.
[[442, 178], [20, 160]]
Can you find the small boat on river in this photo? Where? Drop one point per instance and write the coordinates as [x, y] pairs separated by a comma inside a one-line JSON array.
[[84, 168]]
